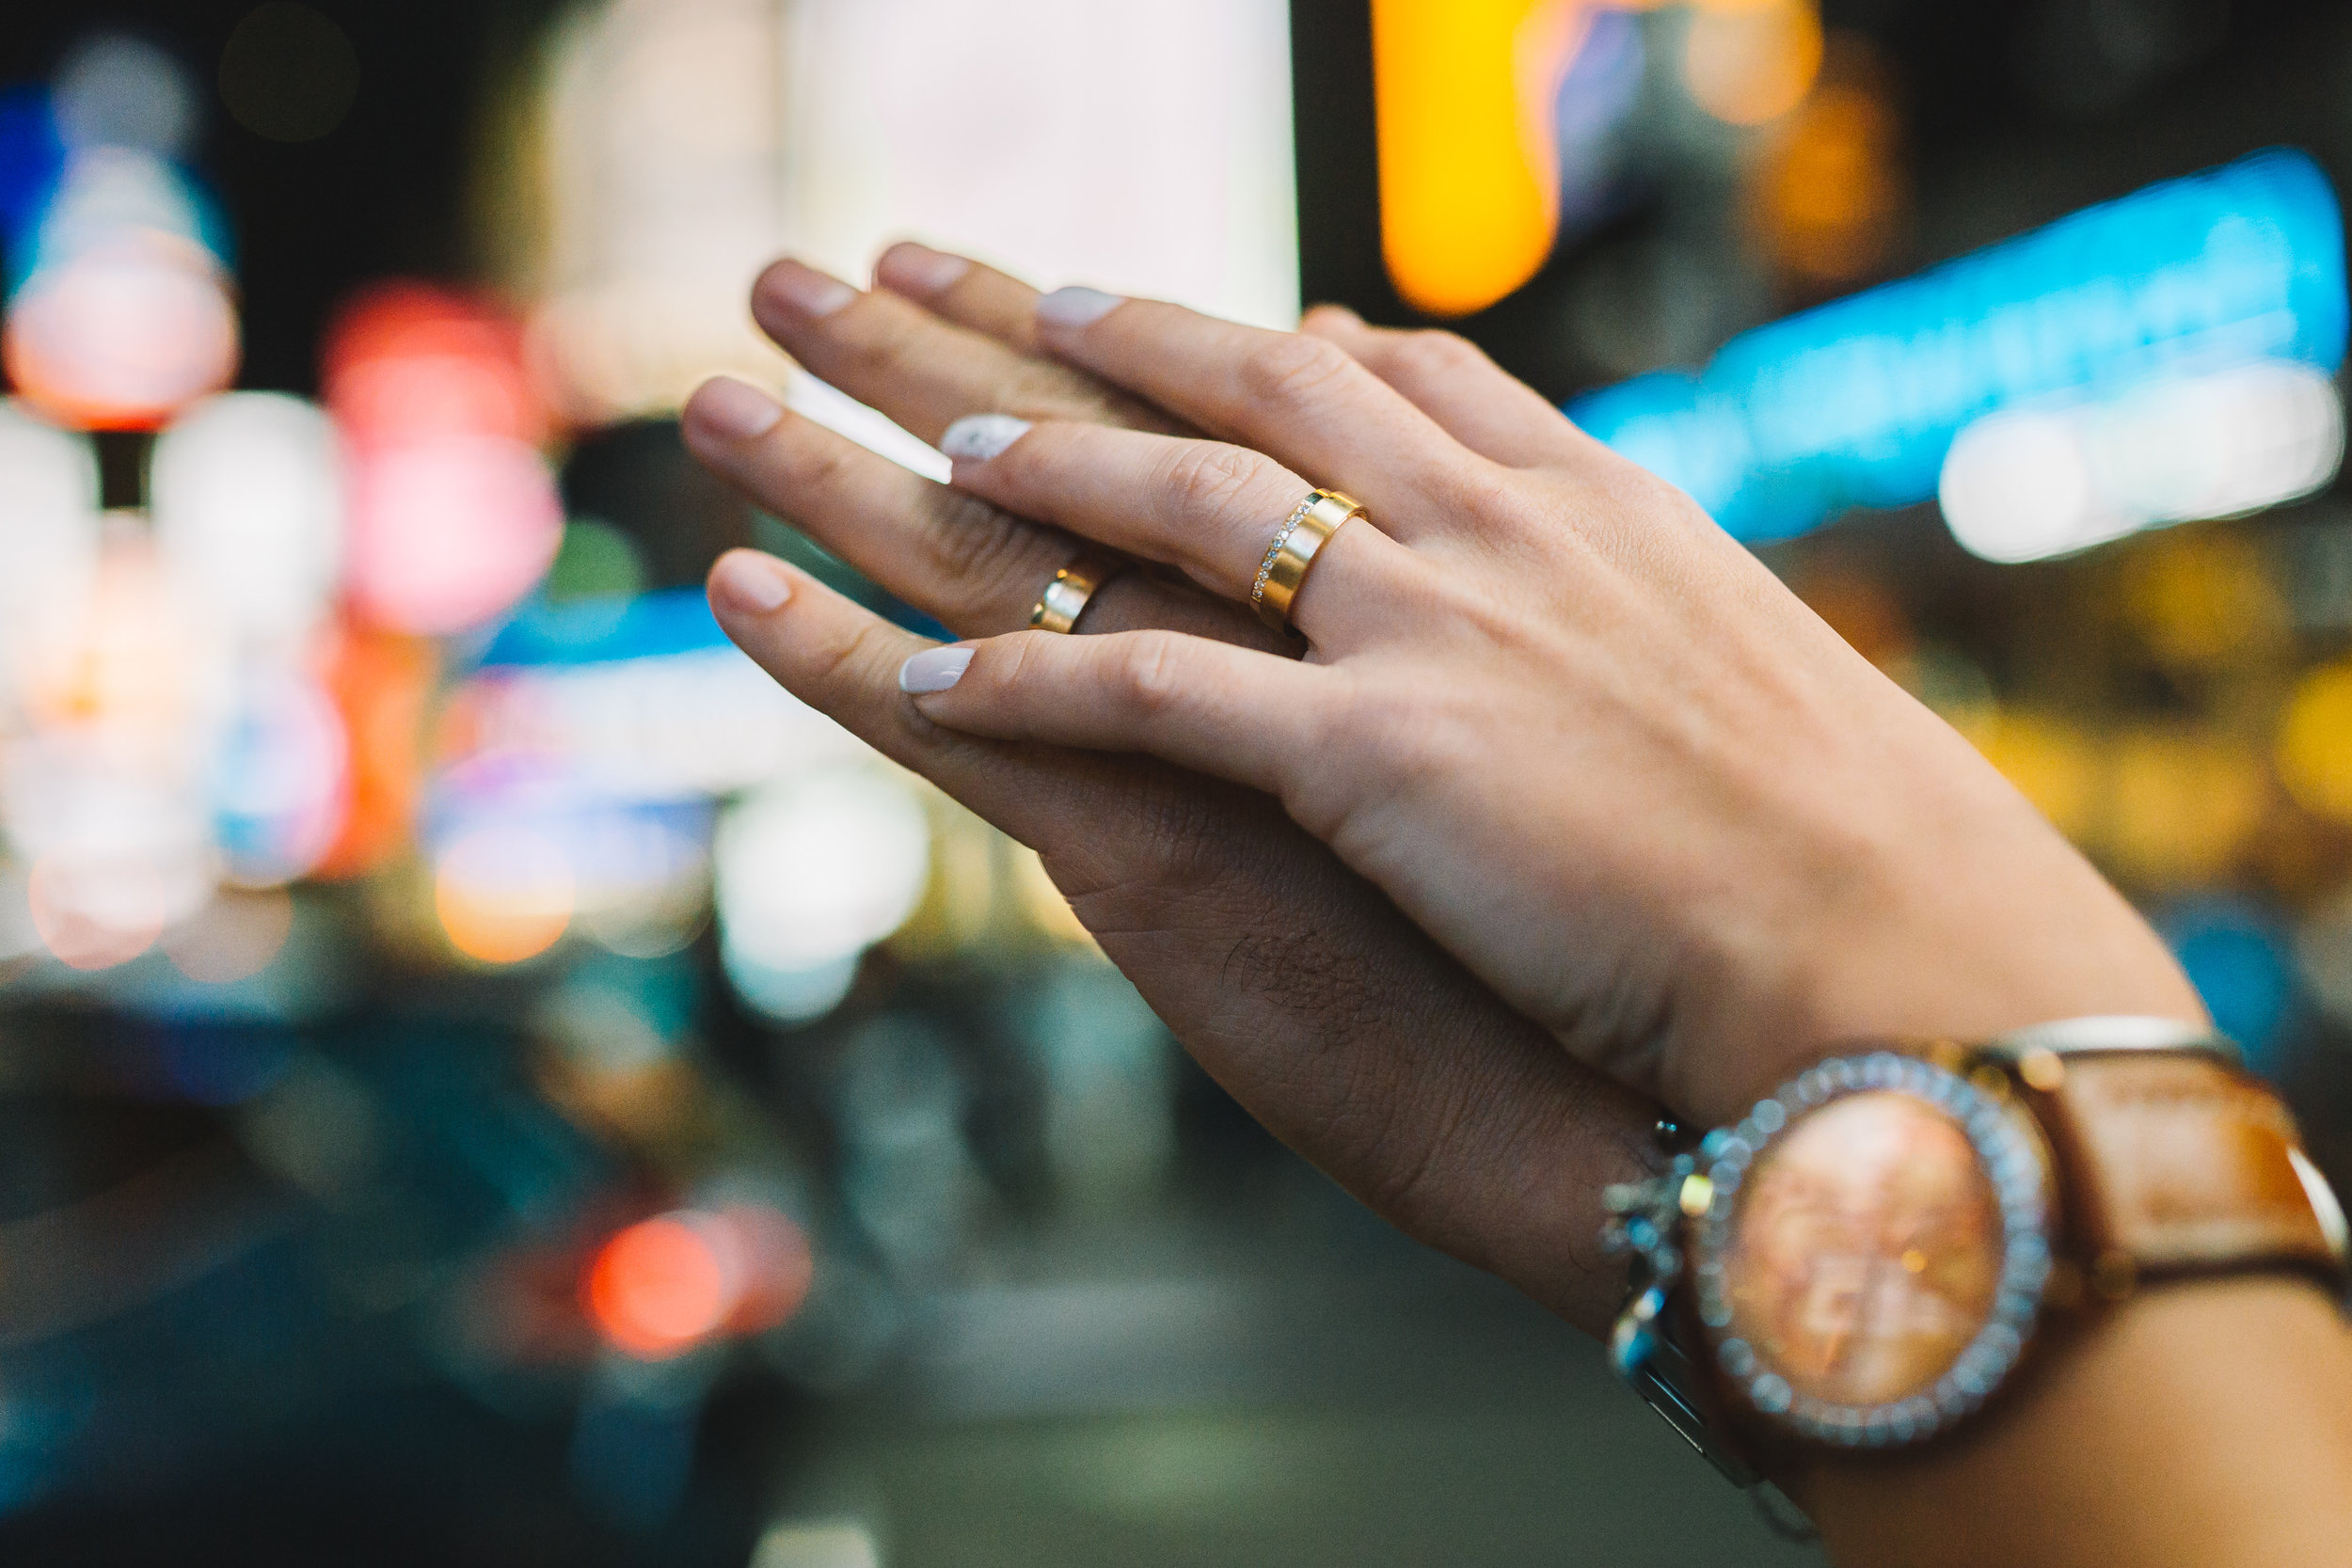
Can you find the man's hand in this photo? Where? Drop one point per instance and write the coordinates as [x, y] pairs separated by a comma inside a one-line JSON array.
[[1295, 984]]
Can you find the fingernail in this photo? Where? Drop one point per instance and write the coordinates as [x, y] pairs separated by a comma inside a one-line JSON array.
[[978, 438], [732, 410], [933, 670], [1341, 311], [806, 290], [750, 583], [1076, 307], [919, 270]]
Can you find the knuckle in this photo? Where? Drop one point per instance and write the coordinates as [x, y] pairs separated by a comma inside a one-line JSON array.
[[841, 658], [1291, 367], [814, 465], [1148, 676], [1437, 354], [979, 545], [1207, 478]]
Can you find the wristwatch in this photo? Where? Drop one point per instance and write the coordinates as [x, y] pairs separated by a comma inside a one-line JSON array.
[[1868, 1256]]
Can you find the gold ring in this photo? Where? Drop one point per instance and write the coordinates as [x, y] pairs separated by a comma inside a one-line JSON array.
[[1064, 600], [1302, 538]]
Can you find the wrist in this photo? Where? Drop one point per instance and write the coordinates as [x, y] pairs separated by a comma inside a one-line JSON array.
[[2206, 1422], [1873, 1247], [1959, 946]]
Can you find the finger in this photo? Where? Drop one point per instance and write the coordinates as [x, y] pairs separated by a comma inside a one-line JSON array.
[[972, 565], [1206, 508], [1351, 1036], [891, 353], [1299, 399], [1450, 378], [1228, 712], [964, 292]]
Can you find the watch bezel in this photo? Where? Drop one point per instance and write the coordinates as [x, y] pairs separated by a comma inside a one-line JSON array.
[[2015, 1163]]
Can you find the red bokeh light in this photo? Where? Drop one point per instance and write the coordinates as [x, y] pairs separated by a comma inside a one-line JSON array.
[[664, 1284], [453, 514], [404, 362]]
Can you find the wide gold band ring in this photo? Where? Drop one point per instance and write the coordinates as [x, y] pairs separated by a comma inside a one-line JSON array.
[[1064, 600], [1297, 543]]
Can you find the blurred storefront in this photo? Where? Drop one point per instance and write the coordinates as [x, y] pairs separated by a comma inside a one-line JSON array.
[[485, 1076]]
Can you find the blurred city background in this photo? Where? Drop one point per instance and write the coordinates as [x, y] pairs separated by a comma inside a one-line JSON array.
[[486, 1078]]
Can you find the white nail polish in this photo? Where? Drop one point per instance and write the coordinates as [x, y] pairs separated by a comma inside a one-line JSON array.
[[1076, 307], [933, 670], [978, 438]]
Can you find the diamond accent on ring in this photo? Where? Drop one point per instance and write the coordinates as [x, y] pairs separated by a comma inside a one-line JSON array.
[[1281, 537]]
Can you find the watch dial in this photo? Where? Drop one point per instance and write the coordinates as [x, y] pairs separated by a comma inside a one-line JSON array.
[[1867, 1252]]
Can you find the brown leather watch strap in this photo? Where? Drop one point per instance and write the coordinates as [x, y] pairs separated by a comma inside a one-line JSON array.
[[2176, 1163]]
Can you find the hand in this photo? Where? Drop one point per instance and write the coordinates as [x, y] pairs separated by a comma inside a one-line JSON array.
[[1298, 986], [1576, 733]]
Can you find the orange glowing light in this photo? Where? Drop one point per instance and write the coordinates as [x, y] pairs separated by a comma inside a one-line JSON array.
[[2314, 746], [503, 897], [381, 683], [660, 1287], [666, 1283], [1470, 179], [1750, 61], [1829, 196]]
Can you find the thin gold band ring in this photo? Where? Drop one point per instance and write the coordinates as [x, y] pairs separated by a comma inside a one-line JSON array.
[[1296, 544], [1064, 598]]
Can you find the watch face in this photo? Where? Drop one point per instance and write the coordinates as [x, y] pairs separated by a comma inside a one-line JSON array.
[[1875, 1249]]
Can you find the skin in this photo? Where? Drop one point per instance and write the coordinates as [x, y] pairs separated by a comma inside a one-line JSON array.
[[1648, 806], [1300, 987], [1576, 733]]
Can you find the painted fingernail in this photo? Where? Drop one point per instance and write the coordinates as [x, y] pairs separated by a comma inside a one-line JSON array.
[[750, 583], [919, 270], [978, 438], [732, 410], [933, 670], [1076, 307], [805, 290]]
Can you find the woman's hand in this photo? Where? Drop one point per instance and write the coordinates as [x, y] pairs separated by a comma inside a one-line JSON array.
[[1294, 983], [1579, 734]]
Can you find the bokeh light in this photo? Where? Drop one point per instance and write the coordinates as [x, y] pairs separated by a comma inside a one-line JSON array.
[[288, 74], [1749, 61], [1828, 195], [116, 89], [232, 938], [280, 777], [247, 496], [453, 514], [2238, 958], [1859, 402], [811, 873], [666, 1283], [48, 536], [1470, 176], [2315, 748], [120, 313], [503, 895], [2023, 484]]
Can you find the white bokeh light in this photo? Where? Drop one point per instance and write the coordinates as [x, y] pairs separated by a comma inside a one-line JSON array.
[[248, 511], [811, 873], [2023, 484]]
